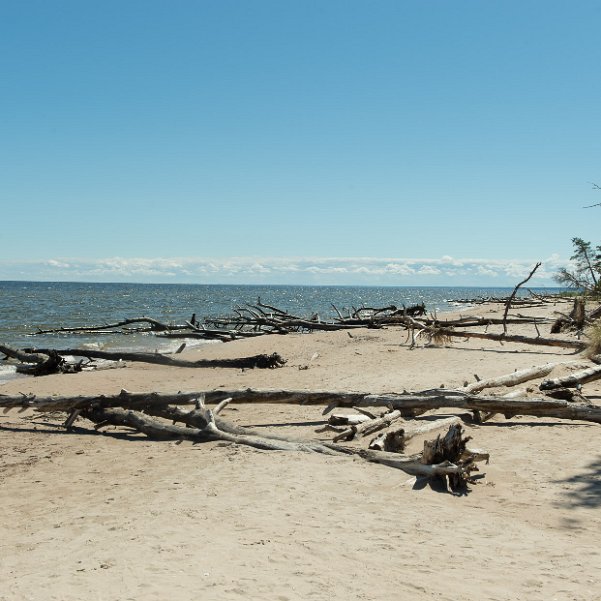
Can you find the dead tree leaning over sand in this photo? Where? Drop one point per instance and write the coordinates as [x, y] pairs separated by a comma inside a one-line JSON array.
[[512, 296]]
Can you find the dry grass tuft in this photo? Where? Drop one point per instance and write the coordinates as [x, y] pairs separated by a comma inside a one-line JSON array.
[[594, 339], [438, 338]]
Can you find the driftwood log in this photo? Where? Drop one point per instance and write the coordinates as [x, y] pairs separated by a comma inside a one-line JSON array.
[[153, 326], [456, 464], [517, 377], [369, 426], [573, 380], [538, 341], [259, 319], [352, 419], [424, 401], [35, 355], [40, 364]]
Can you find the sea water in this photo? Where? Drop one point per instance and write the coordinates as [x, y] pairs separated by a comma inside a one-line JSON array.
[[27, 307]]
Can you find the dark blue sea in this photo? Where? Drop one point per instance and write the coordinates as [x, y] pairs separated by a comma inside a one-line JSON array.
[[26, 307]]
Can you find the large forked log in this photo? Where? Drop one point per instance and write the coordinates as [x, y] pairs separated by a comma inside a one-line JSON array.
[[424, 401], [459, 473], [573, 380], [513, 379], [198, 419], [255, 361], [155, 429]]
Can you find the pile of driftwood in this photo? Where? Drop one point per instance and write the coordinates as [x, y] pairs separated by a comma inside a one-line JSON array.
[[389, 420], [248, 321], [259, 319], [262, 319], [161, 416], [400, 418], [446, 457]]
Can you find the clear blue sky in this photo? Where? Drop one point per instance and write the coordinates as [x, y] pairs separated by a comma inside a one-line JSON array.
[[297, 141]]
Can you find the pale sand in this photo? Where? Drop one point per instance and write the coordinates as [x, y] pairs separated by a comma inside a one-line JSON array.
[[98, 517]]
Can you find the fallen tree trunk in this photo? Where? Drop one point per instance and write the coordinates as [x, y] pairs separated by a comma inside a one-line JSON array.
[[456, 464], [23, 356], [539, 341], [38, 364], [413, 465], [53, 364], [575, 320], [256, 361], [424, 401], [197, 419], [573, 380], [473, 321]]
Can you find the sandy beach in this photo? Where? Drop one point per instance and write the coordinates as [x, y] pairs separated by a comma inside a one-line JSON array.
[[114, 515]]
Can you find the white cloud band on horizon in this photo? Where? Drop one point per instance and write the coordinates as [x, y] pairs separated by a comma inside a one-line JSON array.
[[288, 270]]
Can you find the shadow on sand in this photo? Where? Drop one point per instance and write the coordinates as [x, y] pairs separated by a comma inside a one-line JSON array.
[[584, 489]]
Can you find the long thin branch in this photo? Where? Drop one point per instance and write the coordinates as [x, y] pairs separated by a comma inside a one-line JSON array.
[[508, 304], [538, 341], [155, 326]]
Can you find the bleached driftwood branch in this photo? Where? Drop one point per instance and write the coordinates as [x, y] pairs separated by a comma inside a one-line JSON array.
[[513, 379], [369, 426], [426, 400], [573, 380]]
